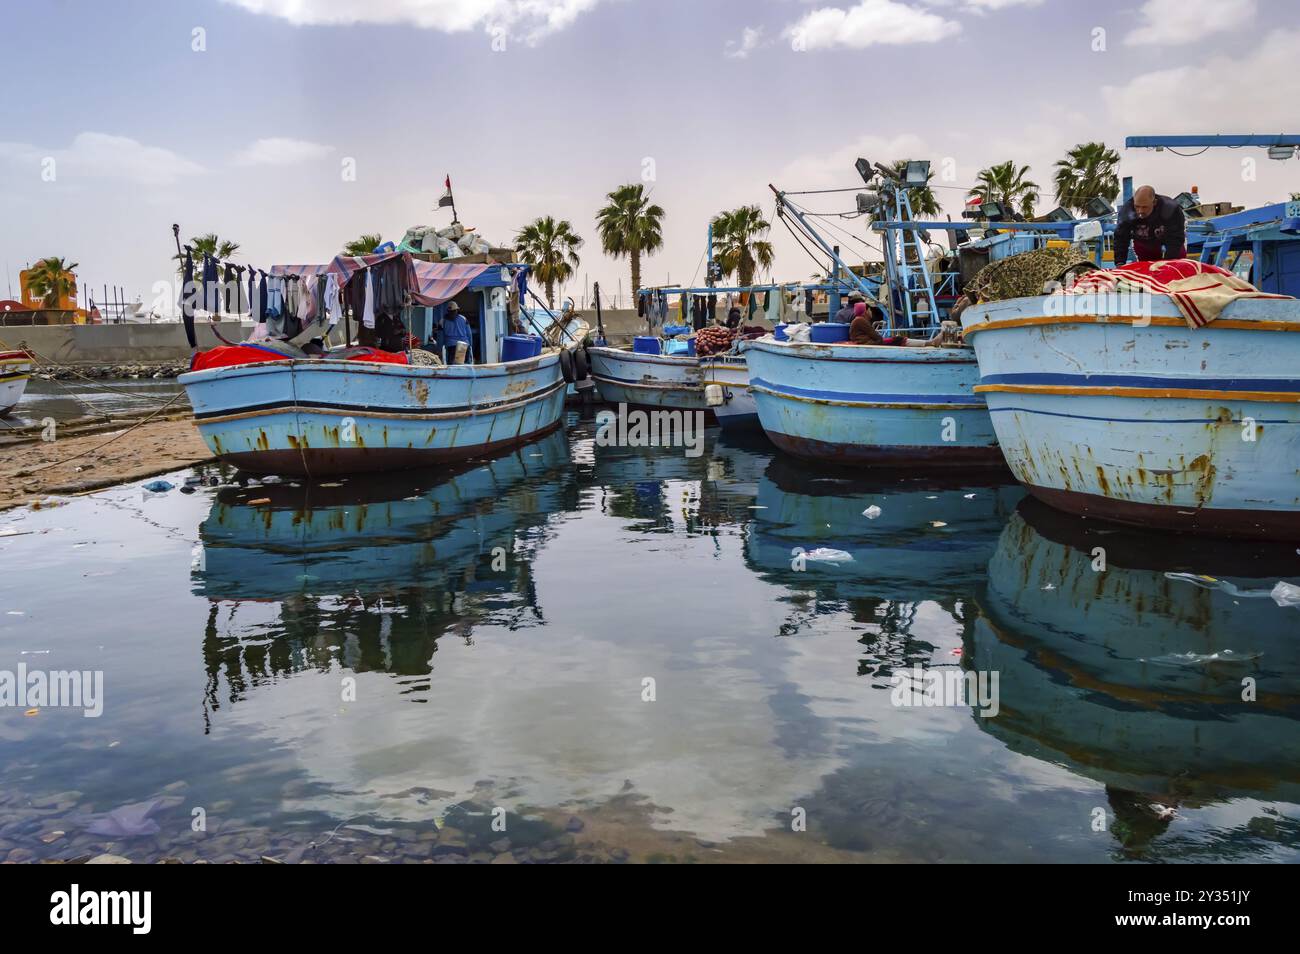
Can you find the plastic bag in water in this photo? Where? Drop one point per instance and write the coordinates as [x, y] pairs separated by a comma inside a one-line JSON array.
[[827, 555], [1286, 594]]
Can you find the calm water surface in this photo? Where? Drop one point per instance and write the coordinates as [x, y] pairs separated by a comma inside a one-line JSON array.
[[73, 398], [368, 670]]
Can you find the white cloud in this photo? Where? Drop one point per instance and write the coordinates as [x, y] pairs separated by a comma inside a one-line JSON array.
[[751, 38], [528, 19], [279, 151], [1191, 99], [103, 156], [999, 4], [868, 23], [1172, 22]]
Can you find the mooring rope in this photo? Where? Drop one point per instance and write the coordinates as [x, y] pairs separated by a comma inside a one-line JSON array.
[[139, 423]]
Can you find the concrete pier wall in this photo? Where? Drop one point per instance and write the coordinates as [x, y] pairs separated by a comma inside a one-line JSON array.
[[113, 344]]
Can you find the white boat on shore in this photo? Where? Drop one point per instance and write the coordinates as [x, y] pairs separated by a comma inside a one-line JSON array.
[[15, 371]]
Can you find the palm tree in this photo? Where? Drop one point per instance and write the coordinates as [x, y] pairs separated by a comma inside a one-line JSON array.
[[630, 226], [921, 198], [364, 245], [208, 244], [551, 247], [1005, 182], [1088, 170], [739, 246], [52, 279]]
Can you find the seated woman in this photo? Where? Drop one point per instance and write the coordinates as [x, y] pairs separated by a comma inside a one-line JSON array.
[[862, 330]]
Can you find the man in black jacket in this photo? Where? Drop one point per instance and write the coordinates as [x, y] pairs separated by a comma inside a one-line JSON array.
[[1153, 224]]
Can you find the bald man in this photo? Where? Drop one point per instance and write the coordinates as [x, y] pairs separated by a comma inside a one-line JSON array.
[[1153, 224]]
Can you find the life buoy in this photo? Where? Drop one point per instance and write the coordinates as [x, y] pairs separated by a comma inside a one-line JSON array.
[[566, 365], [581, 366]]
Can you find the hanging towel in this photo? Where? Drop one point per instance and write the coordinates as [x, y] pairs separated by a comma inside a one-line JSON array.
[[306, 300], [368, 309]]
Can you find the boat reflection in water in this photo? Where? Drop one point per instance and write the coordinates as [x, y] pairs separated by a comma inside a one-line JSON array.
[[931, 540], [1125, 657], [370, 573]]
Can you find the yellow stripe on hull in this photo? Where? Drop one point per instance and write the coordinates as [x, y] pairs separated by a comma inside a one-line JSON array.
[[1209, 394], [1155, 321]]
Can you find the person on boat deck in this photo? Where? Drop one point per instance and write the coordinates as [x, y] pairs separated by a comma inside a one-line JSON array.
[[1154, 224], [454, 334], [846, 313], [862, 330], [733, 317]]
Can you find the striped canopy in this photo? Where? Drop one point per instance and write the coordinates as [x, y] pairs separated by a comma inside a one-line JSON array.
[[429, 283]]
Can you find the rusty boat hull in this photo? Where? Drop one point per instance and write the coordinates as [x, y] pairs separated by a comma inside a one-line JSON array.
[[1143, 420], [321, 417]]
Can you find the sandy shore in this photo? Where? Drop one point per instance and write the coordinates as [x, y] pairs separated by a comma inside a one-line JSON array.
[[89, 461]]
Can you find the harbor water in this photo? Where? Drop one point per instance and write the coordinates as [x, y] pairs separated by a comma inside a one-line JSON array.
[[575, 652]]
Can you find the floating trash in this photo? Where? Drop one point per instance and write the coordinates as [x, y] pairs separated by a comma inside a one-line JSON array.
[[937, 523], [1286, 594], [128, 821], [872, 512], [159, 486], [1214, 583], [828, 555]]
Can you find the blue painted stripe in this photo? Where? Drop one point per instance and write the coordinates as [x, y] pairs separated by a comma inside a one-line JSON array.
[[1144, 381], [974, 400], [1132, 420]]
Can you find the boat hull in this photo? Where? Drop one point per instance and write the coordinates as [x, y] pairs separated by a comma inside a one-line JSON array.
[[648, 380], [318, 418], [14, 375], [869, 405], [1154, 425], [737, 412]]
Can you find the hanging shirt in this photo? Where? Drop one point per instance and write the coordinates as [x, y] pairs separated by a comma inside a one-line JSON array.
[[333, 307], [273, 289]]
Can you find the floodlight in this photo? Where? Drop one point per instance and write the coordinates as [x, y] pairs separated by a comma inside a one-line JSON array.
[[917, 172], [1097, 207]]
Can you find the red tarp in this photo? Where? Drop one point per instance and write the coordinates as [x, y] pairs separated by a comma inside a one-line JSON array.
[[227, 356]]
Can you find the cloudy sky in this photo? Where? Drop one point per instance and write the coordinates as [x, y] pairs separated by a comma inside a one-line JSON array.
[[291, 126]]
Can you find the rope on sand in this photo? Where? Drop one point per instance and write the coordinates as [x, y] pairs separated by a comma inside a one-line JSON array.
[[139, 423]]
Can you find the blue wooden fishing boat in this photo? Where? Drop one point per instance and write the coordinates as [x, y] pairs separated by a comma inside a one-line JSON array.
[[340, 413], [1136, 416], [662, 369], [828, 400]]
